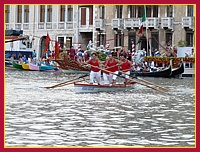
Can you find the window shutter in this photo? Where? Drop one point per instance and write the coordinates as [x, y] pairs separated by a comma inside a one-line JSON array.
[[83, 16], [91, 16]]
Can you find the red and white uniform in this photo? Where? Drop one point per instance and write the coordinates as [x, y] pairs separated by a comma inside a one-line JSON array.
[[126, 68], [95, 72], [113, 68], [106, 77]]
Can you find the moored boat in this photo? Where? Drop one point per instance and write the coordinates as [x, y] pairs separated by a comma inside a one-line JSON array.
[[25, 66], [16, 65], [74, 71], [45, 68], [95, 88], [34, 67], [68, 63], [177, 71], [162, 73]]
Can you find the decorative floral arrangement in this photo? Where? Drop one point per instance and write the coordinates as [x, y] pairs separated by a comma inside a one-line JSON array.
[[166, 60]]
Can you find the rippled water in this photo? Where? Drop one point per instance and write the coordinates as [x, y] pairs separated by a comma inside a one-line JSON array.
[[36, 116]]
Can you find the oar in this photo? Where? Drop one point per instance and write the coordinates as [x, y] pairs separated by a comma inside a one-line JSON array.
[[128, 79], [148, 82], [71, 83], [66, 81]]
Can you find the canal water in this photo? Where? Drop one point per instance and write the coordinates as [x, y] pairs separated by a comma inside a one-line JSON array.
[[36, 116]]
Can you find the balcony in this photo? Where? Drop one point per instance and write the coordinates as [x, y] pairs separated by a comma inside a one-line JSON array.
[[48, 25], [131, 23], [153, 23], [7, 26], [188, 22], [61, 25], [41, 26], [18, 26], [167, 23], [100, 24], [118, 24], [26, 26], [69, 25]]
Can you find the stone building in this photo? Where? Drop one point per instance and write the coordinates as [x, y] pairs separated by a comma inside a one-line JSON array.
[[116, 25]]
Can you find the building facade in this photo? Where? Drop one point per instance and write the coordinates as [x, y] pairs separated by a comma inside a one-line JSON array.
[[116, 25]]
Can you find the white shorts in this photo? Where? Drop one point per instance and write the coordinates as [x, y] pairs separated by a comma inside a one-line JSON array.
[[114, 76], [126, 75], [96, 75], [107, 78]]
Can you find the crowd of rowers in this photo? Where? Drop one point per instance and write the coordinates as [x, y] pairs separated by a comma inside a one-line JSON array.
[[110, 69]]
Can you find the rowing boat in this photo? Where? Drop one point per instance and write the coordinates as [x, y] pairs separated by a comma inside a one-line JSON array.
[[177, 71], [74, 71], [34, 67], [16, 65], [95, 88], [162, 73], [25, 66], [46, 68]]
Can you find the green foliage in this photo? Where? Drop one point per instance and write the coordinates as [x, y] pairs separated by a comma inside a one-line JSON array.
[[101, 56], [182, 43]]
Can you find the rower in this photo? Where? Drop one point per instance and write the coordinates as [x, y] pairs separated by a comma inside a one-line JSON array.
[[112, 66], [95, 71], [125, 67]]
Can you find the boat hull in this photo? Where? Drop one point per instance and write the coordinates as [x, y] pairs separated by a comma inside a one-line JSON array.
[[163, 73], [17, 66], [25, 66], [91, 88], [75, 71], [34, 67], [178, 71]]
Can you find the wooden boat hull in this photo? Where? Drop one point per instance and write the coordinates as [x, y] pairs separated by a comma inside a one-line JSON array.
[[74, 71], [163, 73], [17, 66], [94, 88], [68, 63], [178, 71], [25, 66], [34, 67]]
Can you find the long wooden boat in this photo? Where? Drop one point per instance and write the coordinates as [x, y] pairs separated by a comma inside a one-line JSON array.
[[16, 65], [162, 73], [45, 68], [68, 63], [74, 71], [25, 66], [34, 67], [94, 88], [178, 71]]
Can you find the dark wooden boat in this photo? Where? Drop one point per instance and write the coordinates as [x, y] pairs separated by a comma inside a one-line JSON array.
[[68, 63], [162, 73], [177, 71]]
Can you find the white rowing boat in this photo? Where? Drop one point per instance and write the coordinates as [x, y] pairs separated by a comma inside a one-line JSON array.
[[95, 88]]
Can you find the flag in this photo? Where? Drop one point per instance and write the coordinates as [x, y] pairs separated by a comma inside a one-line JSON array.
[[143, 20], [47, 43], [57, 48]]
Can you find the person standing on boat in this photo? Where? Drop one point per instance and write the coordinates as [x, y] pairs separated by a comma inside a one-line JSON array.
[[95, 71], [106, 77], [112, 66], [33, 53], [125, 67], [72, 53], [24, 59], [29, 59]]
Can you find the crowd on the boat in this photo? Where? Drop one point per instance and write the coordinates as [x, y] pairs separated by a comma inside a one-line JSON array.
[[47, 58]]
